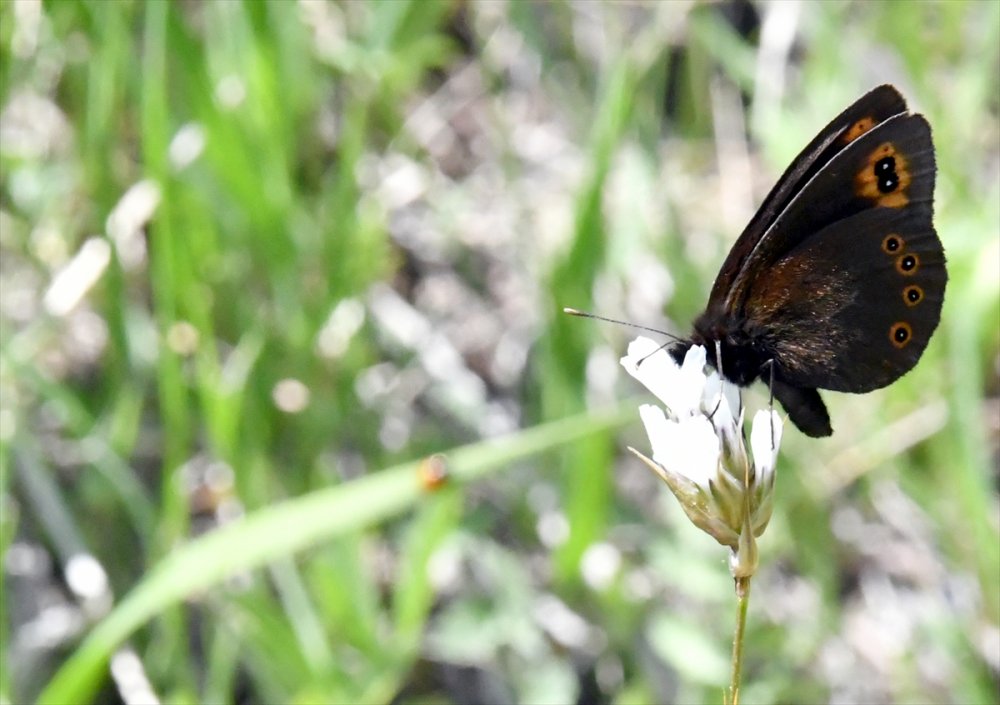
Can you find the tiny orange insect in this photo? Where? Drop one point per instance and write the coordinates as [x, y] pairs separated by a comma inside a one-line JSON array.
[[433, 472]]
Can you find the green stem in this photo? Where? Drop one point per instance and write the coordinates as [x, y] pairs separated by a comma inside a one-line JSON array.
[[743, 600]]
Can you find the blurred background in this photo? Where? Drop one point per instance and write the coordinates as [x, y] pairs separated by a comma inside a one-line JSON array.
[[284, 279]]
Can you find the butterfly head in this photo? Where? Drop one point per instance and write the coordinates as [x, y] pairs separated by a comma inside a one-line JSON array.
[[742, 355]]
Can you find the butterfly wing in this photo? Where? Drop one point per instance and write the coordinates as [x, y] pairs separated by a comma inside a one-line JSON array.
[[890, 166], [838, 280], [872, 109], [852, 307]]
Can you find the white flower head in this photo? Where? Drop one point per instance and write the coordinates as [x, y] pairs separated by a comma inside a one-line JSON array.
[[699, 450]]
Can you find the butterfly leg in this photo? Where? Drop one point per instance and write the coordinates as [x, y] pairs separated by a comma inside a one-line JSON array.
[[770, 401]]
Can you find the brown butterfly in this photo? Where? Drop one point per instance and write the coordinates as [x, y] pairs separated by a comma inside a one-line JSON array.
[[837, 282]]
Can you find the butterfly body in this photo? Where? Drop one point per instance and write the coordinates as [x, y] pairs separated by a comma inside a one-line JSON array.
[[838, 280]]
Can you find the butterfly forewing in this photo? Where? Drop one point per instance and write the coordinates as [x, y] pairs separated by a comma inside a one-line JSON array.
[[890, 166], [872, 109]]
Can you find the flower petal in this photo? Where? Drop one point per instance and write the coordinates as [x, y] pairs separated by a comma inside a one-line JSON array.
[[725, 424], [733, 396], [689, 447], [691, 383], [765, 439], [652, 365], [657, 428]]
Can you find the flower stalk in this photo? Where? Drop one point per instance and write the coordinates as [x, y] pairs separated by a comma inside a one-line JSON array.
[[742, 602]]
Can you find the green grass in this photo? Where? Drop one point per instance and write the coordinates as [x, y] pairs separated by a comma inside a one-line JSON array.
[[457, 173]]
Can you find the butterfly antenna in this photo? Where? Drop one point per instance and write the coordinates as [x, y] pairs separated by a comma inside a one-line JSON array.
[[584, 314], [649, 355]]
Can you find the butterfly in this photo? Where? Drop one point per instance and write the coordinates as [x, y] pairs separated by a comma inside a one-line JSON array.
[[837, 282]]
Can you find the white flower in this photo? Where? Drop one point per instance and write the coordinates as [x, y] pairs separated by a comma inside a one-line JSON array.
[[699, 451]]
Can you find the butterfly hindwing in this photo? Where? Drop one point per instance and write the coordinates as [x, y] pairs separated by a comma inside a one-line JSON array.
[[853, 307]]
